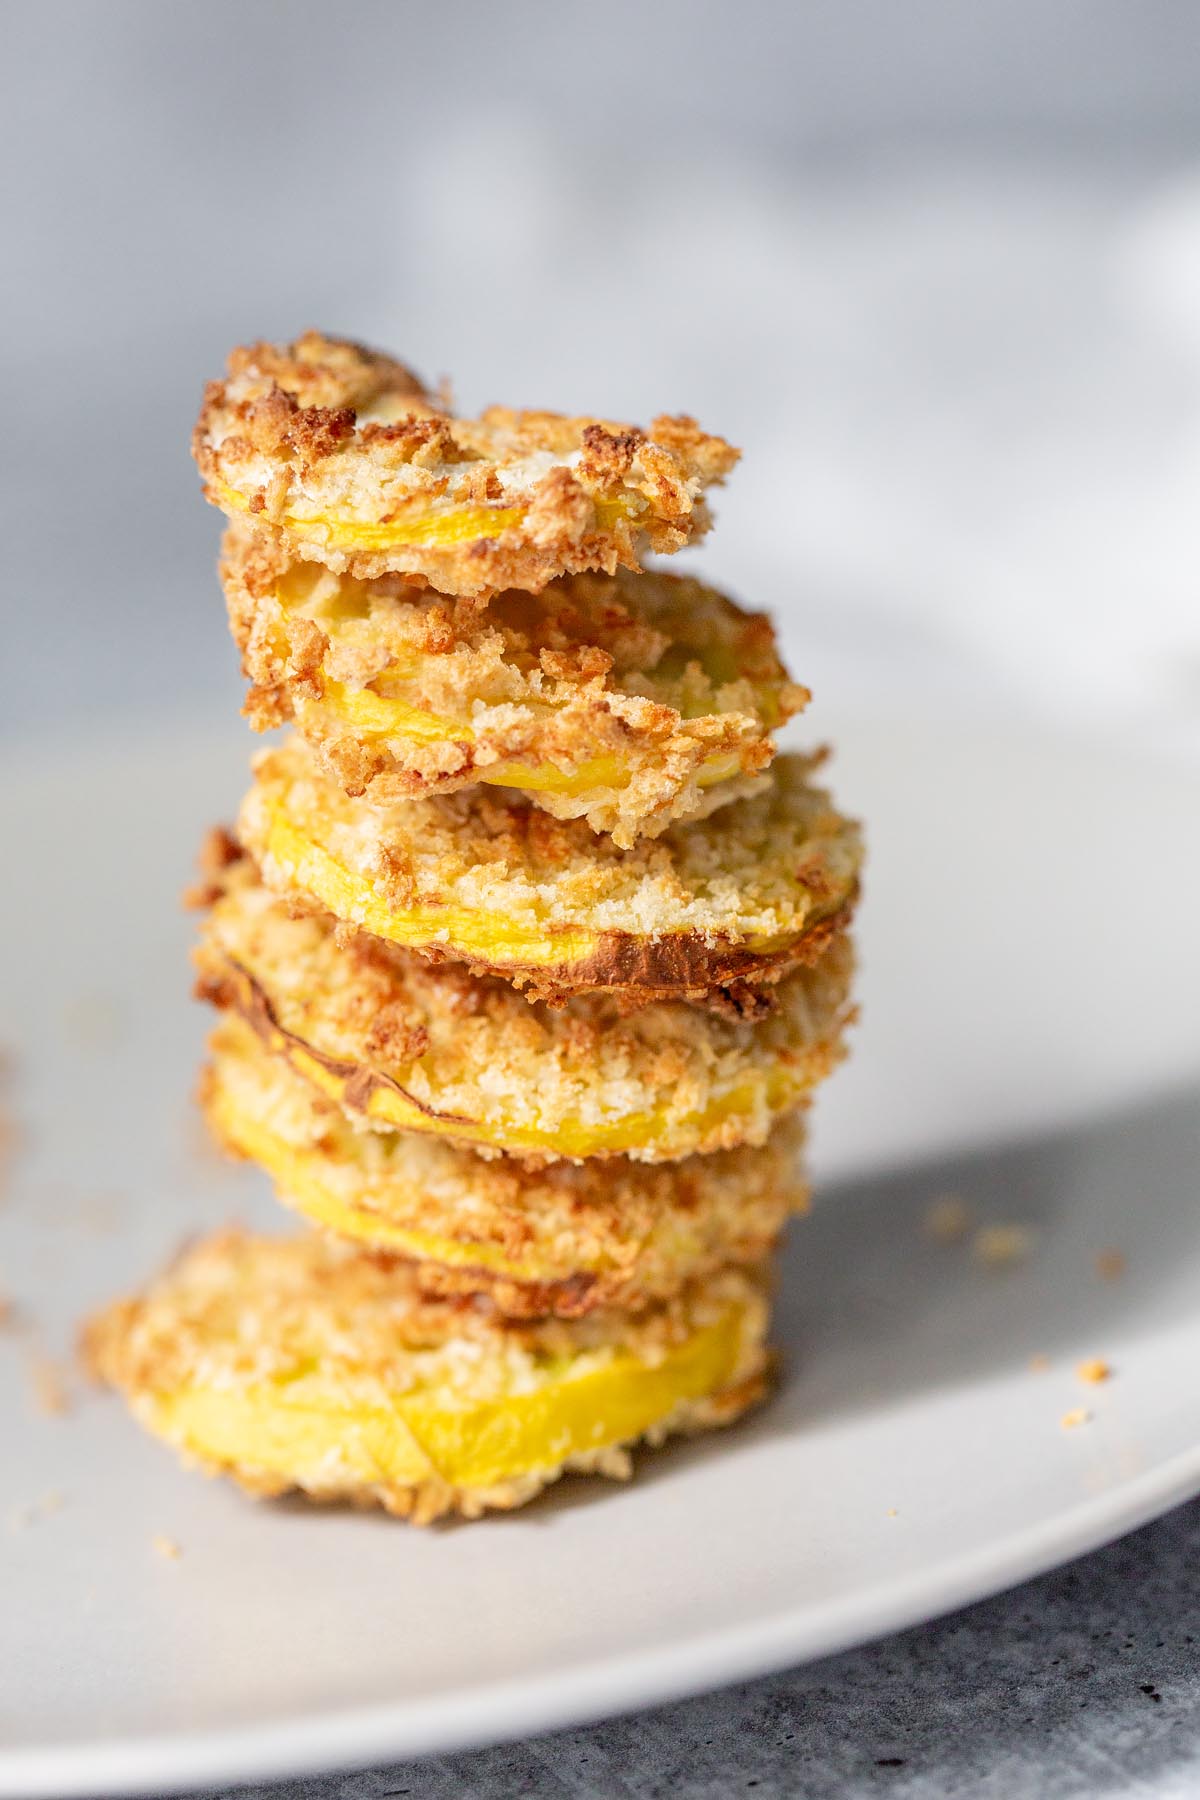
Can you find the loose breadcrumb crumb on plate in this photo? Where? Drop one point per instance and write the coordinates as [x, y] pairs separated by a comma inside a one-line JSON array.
[[50, 1390], [947, 1219], [1000, 1246]]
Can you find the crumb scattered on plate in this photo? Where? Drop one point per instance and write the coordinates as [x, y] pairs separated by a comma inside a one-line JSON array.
[[1039, 1362], [166, 1547], [1094, 1369], [947, 1219], [1110, 1264], [50, 1392], [999, 1246], [1078, 1415]]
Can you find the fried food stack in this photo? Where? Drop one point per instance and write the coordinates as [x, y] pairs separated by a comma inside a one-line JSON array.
[[528, 954]]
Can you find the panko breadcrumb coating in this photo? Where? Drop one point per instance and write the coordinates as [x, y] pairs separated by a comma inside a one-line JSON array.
[[302, 1363], [433, 1049], [487, 878], [529, 954], [343, 453], [627, 700], [565, 1240]]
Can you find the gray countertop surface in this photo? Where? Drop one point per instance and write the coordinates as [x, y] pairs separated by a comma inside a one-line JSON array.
[[1083, 1683]]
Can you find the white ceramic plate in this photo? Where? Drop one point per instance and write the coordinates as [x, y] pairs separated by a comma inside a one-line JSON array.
[[1031, 963]]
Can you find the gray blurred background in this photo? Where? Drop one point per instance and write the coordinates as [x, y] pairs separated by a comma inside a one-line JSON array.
[[936, 266]]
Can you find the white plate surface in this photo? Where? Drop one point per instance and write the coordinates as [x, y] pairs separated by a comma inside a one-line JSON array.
[[1031, 1040]]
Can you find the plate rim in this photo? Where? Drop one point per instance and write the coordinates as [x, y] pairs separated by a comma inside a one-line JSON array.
[[620, 1683]]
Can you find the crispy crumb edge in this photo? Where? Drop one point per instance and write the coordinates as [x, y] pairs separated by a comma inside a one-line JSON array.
[[608, 1238], [403, 1044], [325, 442], [728, 903], [582, 678]]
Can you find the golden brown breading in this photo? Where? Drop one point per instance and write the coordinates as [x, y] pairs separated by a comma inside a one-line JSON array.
[[565, 1240], [487, 878], [628, 700], [432, 1048], [345, 455], [301, 1363]]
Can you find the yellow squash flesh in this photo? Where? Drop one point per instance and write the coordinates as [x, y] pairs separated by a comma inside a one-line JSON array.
[[375, 716], [458, 930], [418, 522], [298, 1174], [651, 1130], [302, 1429]]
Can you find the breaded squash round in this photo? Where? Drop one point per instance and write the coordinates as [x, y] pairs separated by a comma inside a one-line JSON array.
[[343, 453], [488, 878], [305, 1364], [405, 1044], [564, 1240], [625, 700]]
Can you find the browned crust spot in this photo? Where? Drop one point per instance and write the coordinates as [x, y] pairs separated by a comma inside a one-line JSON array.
[[577, 1297], [682, 966]]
